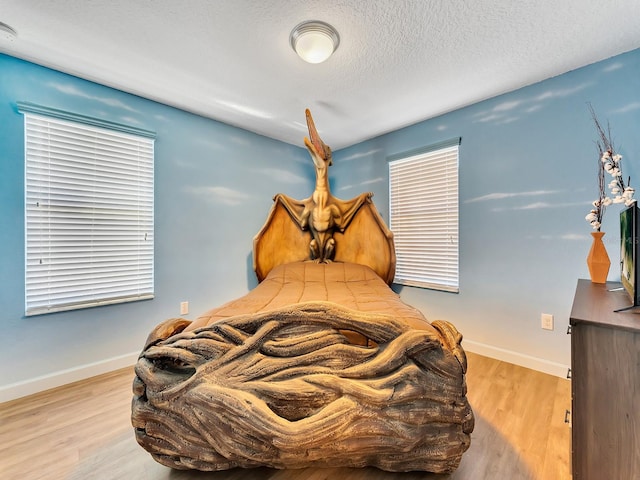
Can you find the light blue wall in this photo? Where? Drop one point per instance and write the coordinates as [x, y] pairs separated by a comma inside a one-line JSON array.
[[527, 177], [528, 165], [214, 184]]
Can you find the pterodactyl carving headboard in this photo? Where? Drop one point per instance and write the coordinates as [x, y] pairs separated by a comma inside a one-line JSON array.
[[323, 228]]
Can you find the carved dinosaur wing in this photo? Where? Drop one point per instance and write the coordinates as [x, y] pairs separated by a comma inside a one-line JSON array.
[[348, 209], [298, 209], [281, 239]]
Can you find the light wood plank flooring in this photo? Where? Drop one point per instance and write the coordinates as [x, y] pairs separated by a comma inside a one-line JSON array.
[[82, 431]]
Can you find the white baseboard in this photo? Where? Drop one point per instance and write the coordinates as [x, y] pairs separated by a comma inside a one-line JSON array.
[[63, 377], [534, 363]]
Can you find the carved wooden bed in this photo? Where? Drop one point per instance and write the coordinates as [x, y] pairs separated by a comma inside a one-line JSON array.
[[320, 365]]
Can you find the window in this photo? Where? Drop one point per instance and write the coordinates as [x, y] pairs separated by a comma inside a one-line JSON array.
[[423, 197], [88, 211]]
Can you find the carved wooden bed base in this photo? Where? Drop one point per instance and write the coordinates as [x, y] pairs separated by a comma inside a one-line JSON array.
[[320, 365]]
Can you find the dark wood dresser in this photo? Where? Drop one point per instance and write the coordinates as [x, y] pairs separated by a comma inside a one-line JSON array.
[[605, 384]]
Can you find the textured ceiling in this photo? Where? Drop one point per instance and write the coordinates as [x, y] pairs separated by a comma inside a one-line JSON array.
[[399, 61]]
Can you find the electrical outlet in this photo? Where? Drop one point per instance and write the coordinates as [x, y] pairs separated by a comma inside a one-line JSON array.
[[546, 321], [184, 308]]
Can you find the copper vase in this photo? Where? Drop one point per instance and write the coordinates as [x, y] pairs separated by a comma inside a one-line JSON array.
[[598, 260]]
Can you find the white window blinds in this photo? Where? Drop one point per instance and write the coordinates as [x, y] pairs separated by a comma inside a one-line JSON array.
[[423, 196], [88, 215]]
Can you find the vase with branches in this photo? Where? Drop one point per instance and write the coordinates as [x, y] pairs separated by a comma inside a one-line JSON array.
[[616, 191], [609, 162]]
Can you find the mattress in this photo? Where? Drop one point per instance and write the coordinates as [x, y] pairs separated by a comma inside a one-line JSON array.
[[353, 286]]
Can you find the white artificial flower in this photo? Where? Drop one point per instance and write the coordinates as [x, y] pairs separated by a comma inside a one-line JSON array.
[[591, 217], [595, 203], [618, 199], [605, 155], [615, 190], [606, 201], [613, 184], [596, 225], [609, 168], [617, 157]]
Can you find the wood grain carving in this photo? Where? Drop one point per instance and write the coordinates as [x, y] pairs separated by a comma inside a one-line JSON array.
[[286, 389]]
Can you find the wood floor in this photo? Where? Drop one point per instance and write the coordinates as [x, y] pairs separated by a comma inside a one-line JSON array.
[[82, 431]]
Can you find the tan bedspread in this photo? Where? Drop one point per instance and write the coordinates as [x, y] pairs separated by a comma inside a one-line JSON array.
[[353, 286]]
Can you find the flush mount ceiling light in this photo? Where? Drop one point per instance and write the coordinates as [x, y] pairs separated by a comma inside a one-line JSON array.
[[314, 41]]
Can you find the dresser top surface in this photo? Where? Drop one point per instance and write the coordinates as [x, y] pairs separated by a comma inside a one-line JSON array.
[[596, 303]]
